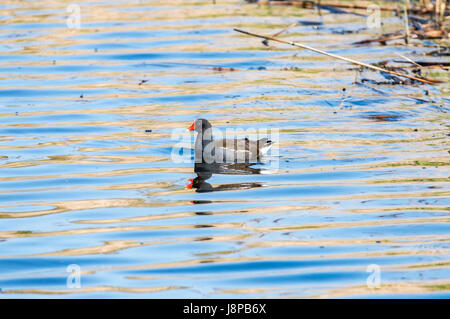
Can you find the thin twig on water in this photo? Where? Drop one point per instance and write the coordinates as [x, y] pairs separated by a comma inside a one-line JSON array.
[[369, 66], [408, 59], [265, 42]]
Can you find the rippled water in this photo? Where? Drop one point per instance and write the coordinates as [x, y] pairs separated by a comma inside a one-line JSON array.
[[362, 178]]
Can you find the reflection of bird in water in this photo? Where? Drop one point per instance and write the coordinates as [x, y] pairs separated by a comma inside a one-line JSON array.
[[227, 169], [229, 150], [205, 171]]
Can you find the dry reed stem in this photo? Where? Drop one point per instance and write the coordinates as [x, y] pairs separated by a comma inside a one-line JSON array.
[[369, 66]]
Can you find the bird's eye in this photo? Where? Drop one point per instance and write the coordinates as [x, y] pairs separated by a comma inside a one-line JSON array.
[[269, 141]]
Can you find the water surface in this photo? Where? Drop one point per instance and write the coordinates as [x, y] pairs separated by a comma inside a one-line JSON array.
[[362, 173]]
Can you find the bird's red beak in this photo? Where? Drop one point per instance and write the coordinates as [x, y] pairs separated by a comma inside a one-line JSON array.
[[189, 186], [192, 127]]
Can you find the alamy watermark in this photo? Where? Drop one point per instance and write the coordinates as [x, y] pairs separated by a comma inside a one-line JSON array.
[[74, 277], [73, 20], [374, 279], [215, 146], [374, 17]]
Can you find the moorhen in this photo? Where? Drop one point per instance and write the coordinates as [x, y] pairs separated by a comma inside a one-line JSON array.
[[208, 150]]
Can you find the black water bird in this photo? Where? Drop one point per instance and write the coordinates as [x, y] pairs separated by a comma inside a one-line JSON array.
[[228, 150]]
